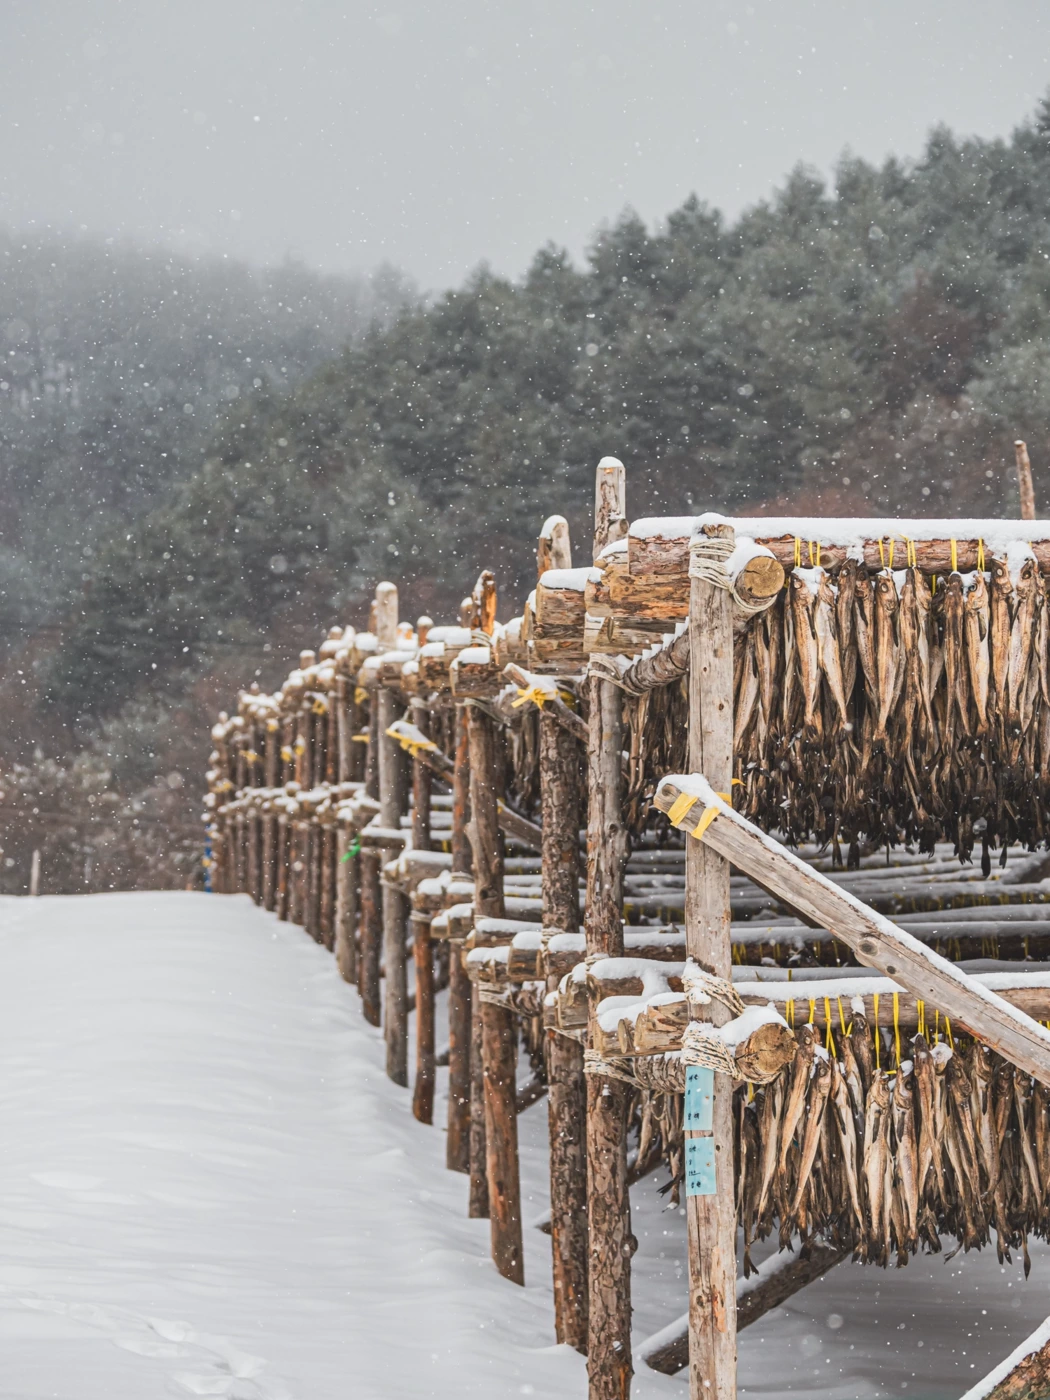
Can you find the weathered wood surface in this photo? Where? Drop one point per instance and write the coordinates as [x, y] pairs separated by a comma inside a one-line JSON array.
[[457, 1142], [499, 1039], [422, 951], [874, 940], [610, 1241], [368, 982], [711, 1219], [478, 1203], [559, 760], [395, 908], [346, 868], [1024, 480], [661, 546]]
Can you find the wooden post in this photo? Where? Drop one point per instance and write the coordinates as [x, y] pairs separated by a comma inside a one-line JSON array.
[[499, 1032], [478, 1198], [1024, 480], [457, 1145], [567, 1099], [609, 1366], [395, 911], [711, 1217], [345, 904], [422, 952], [487, 848], [371, 934], [326, 847], [283, 840]]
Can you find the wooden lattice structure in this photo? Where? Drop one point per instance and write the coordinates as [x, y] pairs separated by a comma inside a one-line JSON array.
[[494, 806]]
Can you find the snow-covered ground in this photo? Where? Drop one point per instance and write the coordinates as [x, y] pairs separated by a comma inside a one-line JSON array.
[[208, 1187]]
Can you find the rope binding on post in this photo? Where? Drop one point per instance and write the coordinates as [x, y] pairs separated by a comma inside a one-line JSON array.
[[707, 561]]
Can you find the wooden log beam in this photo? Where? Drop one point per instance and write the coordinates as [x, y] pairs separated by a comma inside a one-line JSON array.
[[661, 546], [610, 1241], [873, 939], [368, 980], [553, 550], [711, 1211], [784, 1276]]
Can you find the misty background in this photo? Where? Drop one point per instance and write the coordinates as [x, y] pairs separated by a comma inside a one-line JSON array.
[[296, 296]]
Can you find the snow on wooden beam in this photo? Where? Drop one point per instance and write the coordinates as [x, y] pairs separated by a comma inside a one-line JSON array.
[[660, 545]]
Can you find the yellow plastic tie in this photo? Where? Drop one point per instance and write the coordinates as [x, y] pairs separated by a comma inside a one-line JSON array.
[[910, 544], [320, 708], [360, 695], [535, 693], [412, 746], [814, 553], [300, 745], [842, 1016], [882, 554], [876, 1000], [286, 754], [798, 552], [812, 1011], [948, 1033], [681, 806], [272, 726], [955, 557], [789, 1009], [920, 1013], [830, 1043], [251, 756], [897, 1024], [980, 555], [936, 1025], [892, 543]]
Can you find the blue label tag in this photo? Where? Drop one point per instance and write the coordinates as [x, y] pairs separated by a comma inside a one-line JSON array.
[[699, 1098], [700, 1166]]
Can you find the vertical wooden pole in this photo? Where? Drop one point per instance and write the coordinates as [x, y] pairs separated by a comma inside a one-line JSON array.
[[1024, 480], [281, 904], [478, 1197], [422, 952], [326, 848], [371, 899], [712, 1217], [609, 1365], [499, 1033], [345, 904], [368, 982], [395, 910], [567, 1097], [457, 1143], [487, 848]]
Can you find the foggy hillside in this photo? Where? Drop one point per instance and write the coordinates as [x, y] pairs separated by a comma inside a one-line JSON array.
[[867, 348]]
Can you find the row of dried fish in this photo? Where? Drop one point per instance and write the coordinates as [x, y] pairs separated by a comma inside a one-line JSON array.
[[880, 708], [953, 1143]]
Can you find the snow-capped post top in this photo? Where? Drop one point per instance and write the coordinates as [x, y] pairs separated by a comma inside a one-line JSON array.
[[610, 503]]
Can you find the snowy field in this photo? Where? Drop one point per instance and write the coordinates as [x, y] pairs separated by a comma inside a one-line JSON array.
[[209, 1188]]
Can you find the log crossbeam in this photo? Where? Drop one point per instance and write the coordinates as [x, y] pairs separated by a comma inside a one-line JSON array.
[[874, 940]]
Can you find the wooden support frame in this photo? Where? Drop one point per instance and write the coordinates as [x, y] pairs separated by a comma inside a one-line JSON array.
[[610, 1242], [875, 941]]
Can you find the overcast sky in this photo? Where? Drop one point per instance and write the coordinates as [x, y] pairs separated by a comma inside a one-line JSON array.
[[436, 135]]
